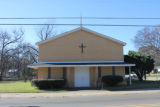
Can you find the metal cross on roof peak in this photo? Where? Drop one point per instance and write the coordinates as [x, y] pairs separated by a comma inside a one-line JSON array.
[[81, 21]]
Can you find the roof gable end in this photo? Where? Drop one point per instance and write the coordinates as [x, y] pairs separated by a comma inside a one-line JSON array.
[[81, 28]]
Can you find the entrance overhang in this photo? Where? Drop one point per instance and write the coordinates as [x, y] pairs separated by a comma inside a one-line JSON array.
[[80, 64]]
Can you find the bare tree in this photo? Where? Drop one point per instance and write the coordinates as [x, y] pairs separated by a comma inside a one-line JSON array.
[[15, 54], [148, 37], [46, 32], [23, 55], [7, 43], [148, 42]]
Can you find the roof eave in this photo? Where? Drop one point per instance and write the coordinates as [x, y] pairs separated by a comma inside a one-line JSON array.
[[96, 65]]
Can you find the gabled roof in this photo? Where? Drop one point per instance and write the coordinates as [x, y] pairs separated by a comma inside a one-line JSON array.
[[81, 28]]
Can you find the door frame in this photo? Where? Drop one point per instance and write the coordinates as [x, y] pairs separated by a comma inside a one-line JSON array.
[[84, 71]]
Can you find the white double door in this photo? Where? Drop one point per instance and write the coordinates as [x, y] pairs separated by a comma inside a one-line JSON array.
[[81, 77]]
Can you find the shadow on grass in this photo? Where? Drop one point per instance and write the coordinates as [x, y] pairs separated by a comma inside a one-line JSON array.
[[69, 89], [56, 90]]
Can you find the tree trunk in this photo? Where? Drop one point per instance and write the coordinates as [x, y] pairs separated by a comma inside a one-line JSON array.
[[145, 75], [139, 75], [25, 78], [1, 76]]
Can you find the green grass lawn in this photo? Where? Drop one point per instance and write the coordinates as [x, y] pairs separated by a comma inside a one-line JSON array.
[[136, 85], [21, 87], [26, 87], [153, 75]]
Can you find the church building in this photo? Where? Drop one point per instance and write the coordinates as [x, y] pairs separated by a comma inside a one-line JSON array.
[[81, 56]]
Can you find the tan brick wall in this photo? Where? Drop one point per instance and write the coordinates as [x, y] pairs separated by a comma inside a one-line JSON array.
[[93, 76], [42, 73], [66, 48], [57, 73], [70, 77], [120, 71], [106, 71]]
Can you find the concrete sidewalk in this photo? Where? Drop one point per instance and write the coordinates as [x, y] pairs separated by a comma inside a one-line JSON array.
[[76, 93]]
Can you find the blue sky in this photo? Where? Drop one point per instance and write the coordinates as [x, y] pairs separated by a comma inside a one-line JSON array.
[[86, 8]]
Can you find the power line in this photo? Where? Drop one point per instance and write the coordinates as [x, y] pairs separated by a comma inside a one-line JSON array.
[[148, 18], [121, 18], [40, 18], [121, 25]]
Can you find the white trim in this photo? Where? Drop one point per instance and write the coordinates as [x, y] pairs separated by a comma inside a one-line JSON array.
[[85, 29], [77, 62], [96, 65]]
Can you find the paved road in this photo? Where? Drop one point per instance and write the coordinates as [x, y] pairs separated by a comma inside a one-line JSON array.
[[130, 100]]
